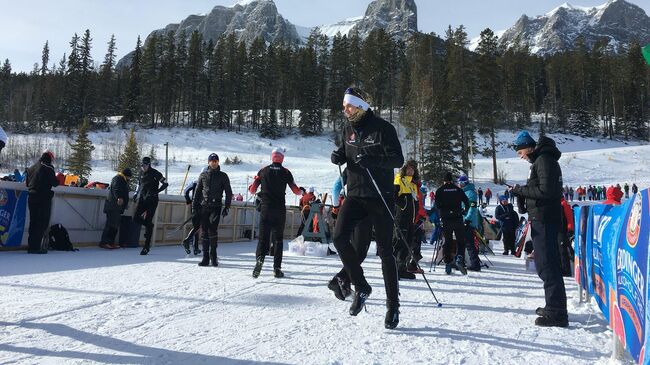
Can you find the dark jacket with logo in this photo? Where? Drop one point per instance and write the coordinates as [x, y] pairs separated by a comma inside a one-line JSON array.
[[210, 188], [374, 137], [543, 190], [451, 201], [119, 189], [40, 181], [273, 181]]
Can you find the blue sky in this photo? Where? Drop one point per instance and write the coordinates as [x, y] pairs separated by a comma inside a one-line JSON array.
[[28, 24]]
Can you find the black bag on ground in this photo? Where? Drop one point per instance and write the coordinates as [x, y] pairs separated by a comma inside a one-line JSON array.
[[59, 239]]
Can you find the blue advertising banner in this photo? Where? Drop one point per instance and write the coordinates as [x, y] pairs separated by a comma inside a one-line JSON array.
[[612, 263], [13, 208]]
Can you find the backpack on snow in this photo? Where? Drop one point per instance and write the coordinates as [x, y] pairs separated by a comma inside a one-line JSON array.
[[59, 239]]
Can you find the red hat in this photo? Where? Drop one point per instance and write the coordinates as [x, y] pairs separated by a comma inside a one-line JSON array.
[[277, 156]]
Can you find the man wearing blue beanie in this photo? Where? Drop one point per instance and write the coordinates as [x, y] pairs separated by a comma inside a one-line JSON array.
[[541, 197]]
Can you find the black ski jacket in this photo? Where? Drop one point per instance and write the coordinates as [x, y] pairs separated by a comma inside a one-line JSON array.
[[507, 216], [543, 190], [376, 138], [119, 188], [273, 180], [149, 181], [210, 188], [451, 201], [40, 181]]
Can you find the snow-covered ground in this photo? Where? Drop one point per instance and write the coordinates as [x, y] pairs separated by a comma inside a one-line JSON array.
[[118, 307], [584, 160]]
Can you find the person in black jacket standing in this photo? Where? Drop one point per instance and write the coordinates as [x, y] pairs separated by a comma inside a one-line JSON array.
[[151, 183], [273, 180], [116, 202], [509, 219], [209, 192], [542, 194], [371, 149], [453, 204], [40, 181]]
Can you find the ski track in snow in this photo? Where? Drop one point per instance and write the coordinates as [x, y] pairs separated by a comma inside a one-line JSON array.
[[95, 306]]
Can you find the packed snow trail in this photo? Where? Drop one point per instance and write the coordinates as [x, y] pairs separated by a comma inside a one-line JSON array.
[[117, 307]]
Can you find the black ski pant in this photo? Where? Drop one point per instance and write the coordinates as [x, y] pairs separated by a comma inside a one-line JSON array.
[[210, 230], [272, 220], [144, 213], [547, 263], [39, 220], [360, 242], [564, 245], [111, 226], [509, 240], [353, 212], [407, 227], [450, 228]]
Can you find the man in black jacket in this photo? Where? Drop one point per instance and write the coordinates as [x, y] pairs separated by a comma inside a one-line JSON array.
[[542, 194], [40, 181], [371, 149], [508, 219], [452, 203], [147, 199], [116, 202], [209, 192], [273, 180]]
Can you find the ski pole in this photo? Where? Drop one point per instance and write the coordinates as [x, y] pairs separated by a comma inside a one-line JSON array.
[[401, 237], [185, 179]]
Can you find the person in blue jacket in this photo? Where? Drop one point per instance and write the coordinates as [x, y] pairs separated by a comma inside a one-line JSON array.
[[472, 221]]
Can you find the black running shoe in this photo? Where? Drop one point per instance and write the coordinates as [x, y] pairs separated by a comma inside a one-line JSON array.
[[341, 288], [392, 318], [359, 300], [277, 273], [258, 267]]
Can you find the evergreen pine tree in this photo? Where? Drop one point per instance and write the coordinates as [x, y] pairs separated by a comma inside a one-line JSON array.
[[133, 103], [81, 155], [130, 158]]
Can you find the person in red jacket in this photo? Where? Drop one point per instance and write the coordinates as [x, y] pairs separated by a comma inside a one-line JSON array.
[[614, 195], [306, 199]]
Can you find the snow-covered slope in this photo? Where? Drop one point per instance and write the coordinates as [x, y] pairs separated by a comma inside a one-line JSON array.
[[584, 160], [99, 307]]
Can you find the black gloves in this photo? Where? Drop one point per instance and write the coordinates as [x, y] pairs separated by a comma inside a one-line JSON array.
[[224, 212], [338, 157]]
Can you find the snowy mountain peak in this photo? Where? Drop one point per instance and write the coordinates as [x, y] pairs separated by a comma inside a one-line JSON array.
[[617, 22], [397, 17]]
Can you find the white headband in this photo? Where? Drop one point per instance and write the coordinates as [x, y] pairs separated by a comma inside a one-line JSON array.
[[355, 101]]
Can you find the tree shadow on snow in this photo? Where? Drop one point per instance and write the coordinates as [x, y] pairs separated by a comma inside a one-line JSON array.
[[136, 354]]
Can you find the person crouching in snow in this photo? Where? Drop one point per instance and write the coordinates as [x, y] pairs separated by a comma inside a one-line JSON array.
[[273, 180]]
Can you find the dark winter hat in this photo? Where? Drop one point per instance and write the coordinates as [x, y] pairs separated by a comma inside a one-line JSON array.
[[127, 172], [448, 177], [146, 160], [47, 157], [213, 157], [353, 97], [524, 140]]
